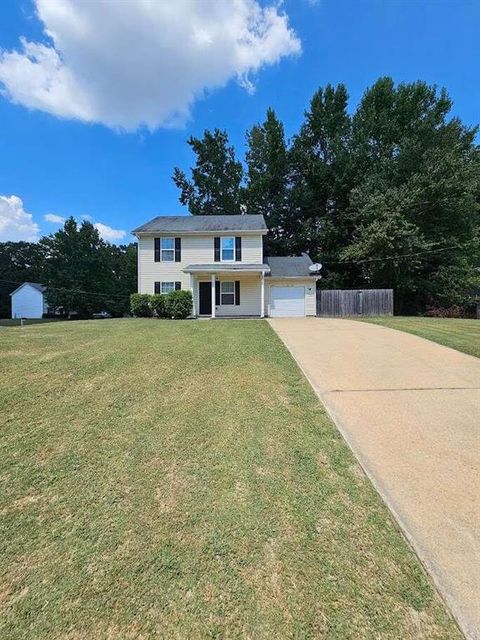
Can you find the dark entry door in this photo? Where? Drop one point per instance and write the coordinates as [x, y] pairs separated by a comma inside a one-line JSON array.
[[205, 295]]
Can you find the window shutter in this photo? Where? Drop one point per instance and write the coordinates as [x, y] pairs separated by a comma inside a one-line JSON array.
[[217, 293], [237, 292], [178, 249], [157, 287], [157, 249], [216, 246], [178, 286], [238, 249]]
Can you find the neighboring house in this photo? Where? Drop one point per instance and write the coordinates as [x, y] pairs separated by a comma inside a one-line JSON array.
[[220, 259], [28, 301]]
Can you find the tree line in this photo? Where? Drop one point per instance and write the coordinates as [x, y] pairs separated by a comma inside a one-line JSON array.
[[384, 196], [83, 273]]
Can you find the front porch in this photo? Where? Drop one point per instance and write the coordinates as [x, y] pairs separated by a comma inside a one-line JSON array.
[[226, 291]]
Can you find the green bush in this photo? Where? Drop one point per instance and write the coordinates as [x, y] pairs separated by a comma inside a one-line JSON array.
[[178, 304], [157, 304], [140, 305]]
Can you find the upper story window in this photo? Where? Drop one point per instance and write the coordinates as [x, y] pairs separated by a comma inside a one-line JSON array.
[[227, 249], [167, 249]]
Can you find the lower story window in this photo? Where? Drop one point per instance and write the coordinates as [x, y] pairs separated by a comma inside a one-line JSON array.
[[227, 293], [166, 287]]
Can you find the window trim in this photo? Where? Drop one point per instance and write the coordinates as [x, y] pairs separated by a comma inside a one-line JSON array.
[[222, 259], [172, 250], [227, 293], [167, 282]]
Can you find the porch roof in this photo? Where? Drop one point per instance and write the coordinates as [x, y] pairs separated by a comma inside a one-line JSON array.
[[222, 267]]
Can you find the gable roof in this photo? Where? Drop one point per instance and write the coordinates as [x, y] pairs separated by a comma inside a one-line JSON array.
[[289, 266], [35, 285], [197, 224]]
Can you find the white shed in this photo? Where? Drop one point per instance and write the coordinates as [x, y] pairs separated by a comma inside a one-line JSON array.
[[28, 301]]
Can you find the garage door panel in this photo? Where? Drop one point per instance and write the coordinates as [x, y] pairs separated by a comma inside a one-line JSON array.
[[287, 302]]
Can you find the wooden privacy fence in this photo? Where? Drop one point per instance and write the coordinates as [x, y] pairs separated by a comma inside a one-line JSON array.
[[356, 302]]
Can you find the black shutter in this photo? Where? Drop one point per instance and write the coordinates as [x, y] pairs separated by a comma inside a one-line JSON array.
[[216, 246], [157, 249], [238, 249], [178, 286], [178, 249], [217, 293], [157, 287], [237, 292]]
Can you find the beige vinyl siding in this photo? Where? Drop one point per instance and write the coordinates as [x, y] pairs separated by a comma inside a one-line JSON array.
[[196, 249], [249, 295], [308, 284]]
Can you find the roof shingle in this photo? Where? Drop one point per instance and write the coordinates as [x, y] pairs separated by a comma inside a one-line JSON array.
[[289, 266], [187, 224]]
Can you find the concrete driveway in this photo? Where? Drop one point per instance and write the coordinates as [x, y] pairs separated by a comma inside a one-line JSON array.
[[410, 411]]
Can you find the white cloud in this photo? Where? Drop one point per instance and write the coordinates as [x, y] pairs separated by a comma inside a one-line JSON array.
[[15, 223], [52, 217], [142, 62], [108, 233]]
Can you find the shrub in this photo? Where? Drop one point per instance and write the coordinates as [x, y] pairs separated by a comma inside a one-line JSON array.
[[140, 305], [178, 304], [455, 311], [157, 304]]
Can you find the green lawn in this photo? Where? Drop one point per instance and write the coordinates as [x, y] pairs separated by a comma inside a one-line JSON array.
[[463, 335], [11, 322], [181, 480]]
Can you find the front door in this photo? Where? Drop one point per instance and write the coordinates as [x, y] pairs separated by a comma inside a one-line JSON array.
[[205, 297]]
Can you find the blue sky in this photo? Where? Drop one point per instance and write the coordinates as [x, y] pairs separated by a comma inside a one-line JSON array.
[[75, 165]]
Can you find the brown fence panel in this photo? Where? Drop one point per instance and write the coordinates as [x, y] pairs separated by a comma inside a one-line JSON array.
[[356, 302]]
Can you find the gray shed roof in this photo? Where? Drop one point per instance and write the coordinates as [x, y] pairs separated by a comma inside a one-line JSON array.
[[35, 285], [289, 266], [188, 224]]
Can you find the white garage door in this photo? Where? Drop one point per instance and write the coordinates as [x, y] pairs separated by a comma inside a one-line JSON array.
[[287, 302]]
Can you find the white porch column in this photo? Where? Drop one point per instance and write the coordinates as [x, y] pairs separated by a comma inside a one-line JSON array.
[[192, 287], [262, 295], [213, 295]]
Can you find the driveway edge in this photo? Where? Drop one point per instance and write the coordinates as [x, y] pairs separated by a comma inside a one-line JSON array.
[[428, 566]]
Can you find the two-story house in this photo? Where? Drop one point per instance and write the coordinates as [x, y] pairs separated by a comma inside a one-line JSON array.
[[220, 259]]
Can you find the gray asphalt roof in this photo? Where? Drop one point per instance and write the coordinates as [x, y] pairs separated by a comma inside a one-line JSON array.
[[177, 224], [35, 285], [227, 266], [289, 266]]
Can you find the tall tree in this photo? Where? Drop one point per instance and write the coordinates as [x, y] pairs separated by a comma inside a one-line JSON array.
[[320, 178], [416, 175], [122, 268], [266, 191], [78, 270], [215, 184]]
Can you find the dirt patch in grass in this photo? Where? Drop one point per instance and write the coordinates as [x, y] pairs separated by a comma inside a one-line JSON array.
[[181, 480]]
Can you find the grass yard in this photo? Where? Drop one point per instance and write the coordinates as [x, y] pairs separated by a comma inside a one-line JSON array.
[[15, 322], [181, 480], [460, 334]]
